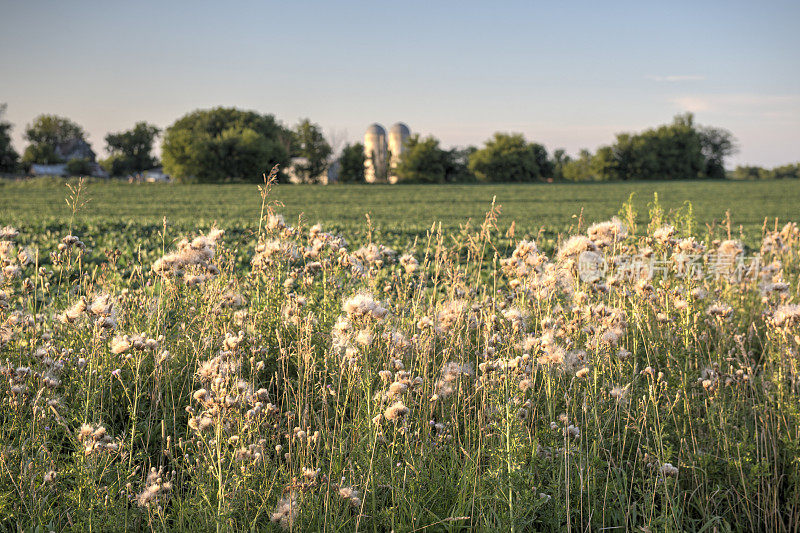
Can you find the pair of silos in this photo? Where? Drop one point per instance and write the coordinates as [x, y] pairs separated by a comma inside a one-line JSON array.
[[383, 152]]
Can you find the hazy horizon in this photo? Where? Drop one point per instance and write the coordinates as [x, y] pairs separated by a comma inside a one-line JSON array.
[[565, 76]]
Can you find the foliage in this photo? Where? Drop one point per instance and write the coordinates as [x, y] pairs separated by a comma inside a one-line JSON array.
[[223, 144], [45, 134], [716, 144], [351, 161], [423, 161], [559, 161], [580, 168], [309, 143], [457, 165], [509, 157], [791, 171], [9, 158], [676, 151], [131, 151], [79, 167]]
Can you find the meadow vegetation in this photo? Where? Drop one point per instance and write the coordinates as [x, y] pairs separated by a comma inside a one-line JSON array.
[[235, 366]]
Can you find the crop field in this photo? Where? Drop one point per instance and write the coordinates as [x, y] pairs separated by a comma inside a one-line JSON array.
[[567, 358], [399, 211]]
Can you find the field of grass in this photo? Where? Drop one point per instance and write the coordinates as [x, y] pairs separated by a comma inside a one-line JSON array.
[[376, 377], [407, 210]]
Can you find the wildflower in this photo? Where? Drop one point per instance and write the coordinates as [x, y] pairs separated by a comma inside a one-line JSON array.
[[8, 233], [786, 315], [668, 470], [310, 474], [364, 305], [729, 250], [698, 293], [268, 252], [156, 489], [607, 233], [619, 393], [95, 439], [71, 241], [451, 313], [720, 309], [202, 396], [554, 354], [201, 423], [12, 271], [591, 266], [397, 388], [196, 255], [663, 235], [286, 511], [73, 313], [451, 372], [120, 344], [409, 263], [515, 317], [396, 411], [101, 305], [574, 246], [351, 496], [375, 254], [276, 222], [364, 337]]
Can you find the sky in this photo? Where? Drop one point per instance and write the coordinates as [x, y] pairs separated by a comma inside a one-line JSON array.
[[566, 74]]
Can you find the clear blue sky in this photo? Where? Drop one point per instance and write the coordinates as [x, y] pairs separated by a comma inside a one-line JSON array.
[[567, 74]]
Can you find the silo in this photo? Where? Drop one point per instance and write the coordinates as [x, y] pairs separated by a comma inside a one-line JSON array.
[[397, 142], [375, 153]]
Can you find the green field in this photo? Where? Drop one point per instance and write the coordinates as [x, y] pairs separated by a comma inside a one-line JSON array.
[[397, 210]]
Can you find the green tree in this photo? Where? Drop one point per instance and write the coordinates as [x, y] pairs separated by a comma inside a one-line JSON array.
[[579, 169], [749, 173], [224, 143], [45, 134], [559, 160], [716, 144], [310, 144], [791, 171], [423, 161], [351, 163], [457, 165], [79, 166], [9, 158], [679, 150], [131, 151], [508, 157]]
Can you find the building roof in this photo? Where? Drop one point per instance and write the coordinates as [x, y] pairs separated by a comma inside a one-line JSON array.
[[75, 148], [400, 128], [375, 129]]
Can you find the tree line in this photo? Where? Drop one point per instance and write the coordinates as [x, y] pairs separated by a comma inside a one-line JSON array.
[[229, 144]]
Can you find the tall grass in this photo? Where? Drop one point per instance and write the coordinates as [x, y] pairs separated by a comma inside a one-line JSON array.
[[287, 380]]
